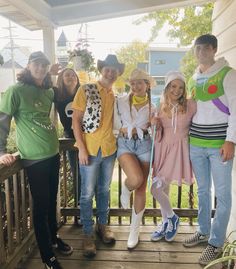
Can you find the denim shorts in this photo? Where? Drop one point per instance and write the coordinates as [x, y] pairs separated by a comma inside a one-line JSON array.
[[140, 148]]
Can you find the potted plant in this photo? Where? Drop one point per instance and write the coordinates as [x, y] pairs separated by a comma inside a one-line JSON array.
[[227, 260], [82, 59]]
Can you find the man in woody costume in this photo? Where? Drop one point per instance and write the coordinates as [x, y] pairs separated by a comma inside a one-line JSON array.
[[92, 125], [212, 144]]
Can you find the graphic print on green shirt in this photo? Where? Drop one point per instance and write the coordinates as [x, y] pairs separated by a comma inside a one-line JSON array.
[[36, 137], [211, 88]]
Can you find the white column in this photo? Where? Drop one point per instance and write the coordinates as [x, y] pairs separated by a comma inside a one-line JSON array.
[[49, 43], [49, 50]]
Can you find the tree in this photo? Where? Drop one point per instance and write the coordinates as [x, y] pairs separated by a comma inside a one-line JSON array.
[[188, 64], [131, 55], [185, 25]]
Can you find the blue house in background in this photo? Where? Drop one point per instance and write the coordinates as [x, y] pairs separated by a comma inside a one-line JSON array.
[[159, 62]]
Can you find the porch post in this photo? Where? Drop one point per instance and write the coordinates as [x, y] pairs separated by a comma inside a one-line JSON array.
[[49, 43], [50, 52]]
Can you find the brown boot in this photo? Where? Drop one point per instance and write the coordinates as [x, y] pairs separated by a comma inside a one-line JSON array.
[[89, 247], [105, 234]]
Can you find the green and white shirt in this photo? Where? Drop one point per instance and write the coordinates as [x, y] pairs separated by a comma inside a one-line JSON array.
[[210, 126], [36, 136]]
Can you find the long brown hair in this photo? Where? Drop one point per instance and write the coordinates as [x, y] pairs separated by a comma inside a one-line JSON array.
[[166, 105], [25, 77], [61, 92]]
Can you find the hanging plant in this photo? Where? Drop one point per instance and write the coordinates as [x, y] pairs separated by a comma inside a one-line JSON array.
[[84, 59]]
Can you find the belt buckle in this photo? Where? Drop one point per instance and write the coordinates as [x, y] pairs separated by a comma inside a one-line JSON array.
[[135, 136], [146, 135], [124, 135]]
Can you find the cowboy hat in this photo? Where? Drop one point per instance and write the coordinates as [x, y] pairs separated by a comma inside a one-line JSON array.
[[111, 60], [141, 74]]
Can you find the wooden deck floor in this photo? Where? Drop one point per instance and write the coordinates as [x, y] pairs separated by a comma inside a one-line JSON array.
[[148, 255]]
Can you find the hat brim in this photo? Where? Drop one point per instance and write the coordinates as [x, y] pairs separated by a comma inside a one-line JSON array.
[[118, 66], [151, 81], [41, 60]]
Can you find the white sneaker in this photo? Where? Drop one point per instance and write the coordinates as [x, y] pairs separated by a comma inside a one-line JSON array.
[[125, 197]]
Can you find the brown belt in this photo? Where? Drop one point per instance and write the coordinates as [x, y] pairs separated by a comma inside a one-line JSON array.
[[134, 135]]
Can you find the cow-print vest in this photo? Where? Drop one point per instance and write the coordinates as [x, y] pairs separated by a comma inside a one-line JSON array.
[[93, 110]]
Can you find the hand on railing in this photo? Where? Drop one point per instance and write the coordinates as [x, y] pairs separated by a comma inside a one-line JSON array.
[[7, 159]]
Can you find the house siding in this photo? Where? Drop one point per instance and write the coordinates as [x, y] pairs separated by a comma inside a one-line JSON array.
[[224, 27]]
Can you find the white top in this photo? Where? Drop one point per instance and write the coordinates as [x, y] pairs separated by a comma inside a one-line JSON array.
[[207, 113], [138, 119]]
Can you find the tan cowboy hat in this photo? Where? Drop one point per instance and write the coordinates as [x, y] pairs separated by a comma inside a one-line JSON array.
[[141, 74], [111, 60]]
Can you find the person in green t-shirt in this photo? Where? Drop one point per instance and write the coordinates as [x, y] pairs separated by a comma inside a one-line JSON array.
[[29, 102]]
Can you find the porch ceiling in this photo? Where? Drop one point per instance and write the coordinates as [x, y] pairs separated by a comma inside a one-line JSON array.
[[35, 15]]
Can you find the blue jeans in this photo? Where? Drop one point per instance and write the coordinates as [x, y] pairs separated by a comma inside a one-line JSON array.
[[95, 179], [207, 165], [141, 148]]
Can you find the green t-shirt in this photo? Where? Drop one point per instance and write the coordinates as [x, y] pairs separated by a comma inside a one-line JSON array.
[[36, 137]]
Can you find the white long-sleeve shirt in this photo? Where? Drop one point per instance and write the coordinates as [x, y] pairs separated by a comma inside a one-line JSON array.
[[133, 118]]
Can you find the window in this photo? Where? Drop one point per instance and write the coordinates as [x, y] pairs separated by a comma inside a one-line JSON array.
[[160, 82], [160, 62]]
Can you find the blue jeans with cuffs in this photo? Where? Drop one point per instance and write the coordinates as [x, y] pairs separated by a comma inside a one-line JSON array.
[[95, 179]]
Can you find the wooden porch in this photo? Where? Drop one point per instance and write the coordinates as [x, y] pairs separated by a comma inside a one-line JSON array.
[[148, 255], [17, 242]]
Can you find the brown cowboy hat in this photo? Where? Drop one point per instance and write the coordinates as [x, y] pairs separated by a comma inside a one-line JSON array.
[[111, 60]]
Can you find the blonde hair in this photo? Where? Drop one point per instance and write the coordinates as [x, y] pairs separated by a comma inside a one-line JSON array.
[[166, 103]]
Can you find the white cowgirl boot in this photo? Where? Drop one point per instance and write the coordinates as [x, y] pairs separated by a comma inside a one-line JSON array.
[[134, 229]]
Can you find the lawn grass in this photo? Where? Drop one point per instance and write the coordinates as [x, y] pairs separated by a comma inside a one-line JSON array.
[[149, 197], [149, 202]]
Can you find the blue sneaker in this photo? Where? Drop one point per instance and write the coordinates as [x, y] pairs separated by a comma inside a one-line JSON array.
[[159, 233], [172, 228]]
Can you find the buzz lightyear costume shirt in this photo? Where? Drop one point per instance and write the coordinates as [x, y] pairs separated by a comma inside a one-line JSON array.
[[215, 93], [36, 137]]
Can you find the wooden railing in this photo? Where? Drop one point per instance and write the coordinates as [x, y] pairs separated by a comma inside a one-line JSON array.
[[16, 231], [116, 211]]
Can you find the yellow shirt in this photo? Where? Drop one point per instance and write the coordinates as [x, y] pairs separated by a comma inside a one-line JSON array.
[[102, 137]]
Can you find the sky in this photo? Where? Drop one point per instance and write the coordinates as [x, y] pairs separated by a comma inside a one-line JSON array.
[[104, 37]]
